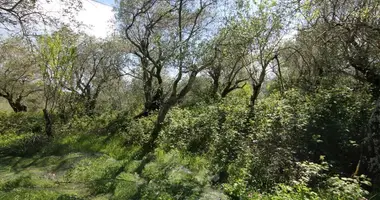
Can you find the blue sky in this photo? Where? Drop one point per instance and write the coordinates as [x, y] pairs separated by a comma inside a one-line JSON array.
[[107, 2]]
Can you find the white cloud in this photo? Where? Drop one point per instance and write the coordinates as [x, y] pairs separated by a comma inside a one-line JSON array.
[[96, 17]]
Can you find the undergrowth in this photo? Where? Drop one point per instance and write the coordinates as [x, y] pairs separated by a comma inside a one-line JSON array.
[[81, 162]]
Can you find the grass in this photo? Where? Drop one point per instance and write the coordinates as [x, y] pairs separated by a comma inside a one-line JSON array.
[[93, 166]]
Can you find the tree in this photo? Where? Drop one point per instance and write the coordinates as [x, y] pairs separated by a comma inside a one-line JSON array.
[[349, 31], [56, 59], [227, 72], [260, 32], [96, 64], [166, 36], [19, 73]]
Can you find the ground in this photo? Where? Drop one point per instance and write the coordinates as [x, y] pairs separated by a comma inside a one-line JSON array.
[[98, 167]]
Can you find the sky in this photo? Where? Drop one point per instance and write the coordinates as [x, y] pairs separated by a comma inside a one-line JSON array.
[[107, 2], [96, 15]]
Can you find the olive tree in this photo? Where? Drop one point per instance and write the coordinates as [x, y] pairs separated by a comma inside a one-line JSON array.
[[259, 34], [18, 72], [227, 72], [97, 62], [167, 36]]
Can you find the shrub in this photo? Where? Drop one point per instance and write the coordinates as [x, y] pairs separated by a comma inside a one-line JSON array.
[[22, 122]]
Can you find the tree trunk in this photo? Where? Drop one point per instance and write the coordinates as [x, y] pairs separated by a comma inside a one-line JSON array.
[[215, 88], [164, 109], [90, 107], [151, 144], [17, 106], [229, 88], [256, 90], [373, 141], [48, 123], [226, 91], [152, 105], [159, 123]]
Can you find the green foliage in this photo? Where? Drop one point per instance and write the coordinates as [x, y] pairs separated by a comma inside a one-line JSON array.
[[56, 57], [30, 194], [264, 153], [138, 131], [21, 123], [94, 124], [193, 149], [329, 122], [347, 188], [20, 133], [19, 75], [333, 187], [127, 186], [294, 192]]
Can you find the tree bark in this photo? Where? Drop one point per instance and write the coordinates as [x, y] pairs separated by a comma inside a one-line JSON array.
[[17, 106], [256, 90], [48, 123], [164, 109], [151, 144], [373, 141], [160, 123], [215, 88], [215, 76], [152, 105]]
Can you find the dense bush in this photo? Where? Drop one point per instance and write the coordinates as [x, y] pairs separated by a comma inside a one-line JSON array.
[[21, 122], [288, 127]]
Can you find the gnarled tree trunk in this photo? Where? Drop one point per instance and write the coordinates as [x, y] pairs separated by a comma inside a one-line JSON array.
[[17, 106], [151, 105]]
